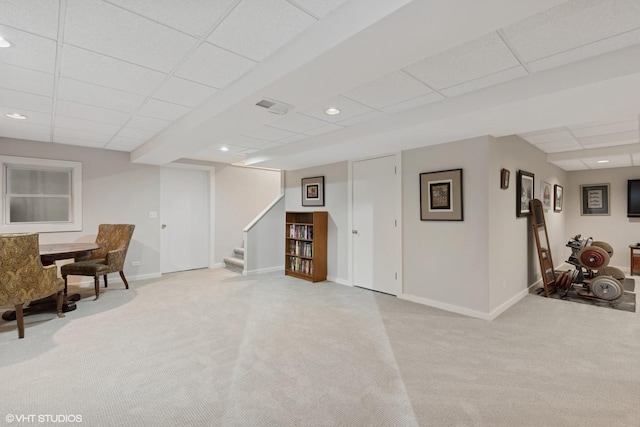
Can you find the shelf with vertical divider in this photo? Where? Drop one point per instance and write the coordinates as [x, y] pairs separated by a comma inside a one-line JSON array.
[[306, 245]]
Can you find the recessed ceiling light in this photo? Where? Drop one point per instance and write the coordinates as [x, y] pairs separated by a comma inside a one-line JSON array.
[[224, 148], [602, 161], [332, 111], [4, 43], [16, 116]]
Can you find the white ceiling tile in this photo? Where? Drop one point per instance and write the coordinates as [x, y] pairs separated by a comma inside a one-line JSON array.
[[80, 135], [25, 101], [183, 92], [628, 126], [244, 141], [587, 51], [28, 50], [90, 94], [371, 115], [319, 8], [414, 103], [35, 16], [549, 136], [274, 144], [611, 143], [618, 161], [298, 123], [348, 109], [250, 151], [85, 125], [572, 24], [606, 122], [88, 112], [609, 138], [486, 81], [33, 117], [120, 147], [391, 89], [125, 144], [25, 134], [292, 139], [195, 17], [138, 134], [636, 159], [213, 66], [163, 110], [269, 133], [255, 29], [148, 123], [325, 129], [470, 61], [79, 141], [570, 165], [24, 80], [559, 146], [91, 67], [110, 30], [42, 126]]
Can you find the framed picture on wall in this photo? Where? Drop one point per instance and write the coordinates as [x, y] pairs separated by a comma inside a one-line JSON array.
[[441, 196], [545, 195], [524, 193], [594, 199], [557, 198], [313, 191], [504, 178]]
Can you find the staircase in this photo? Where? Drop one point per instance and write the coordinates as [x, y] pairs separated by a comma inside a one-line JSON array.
[[236, 262]]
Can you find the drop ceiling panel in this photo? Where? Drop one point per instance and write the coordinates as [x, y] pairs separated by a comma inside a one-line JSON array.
[[28, 50], [183, 92], [486, 81], [213, 66], [610, 138], [348, 109], [81, 141], [25, 134], [255, 29], [570, 165], [24, 80], [548, 136], [36, 16], [269, 133], [84, 125], [298, 123], [91, 113], [319, 8], [107, 29], [571, 25], [148, 123], [91, 67], [636, 159], [244, 141], [163, 110], [325, 129], [470, 61], [40, 125], [124, 144], [79, 135], [621, 161], [25, 101], [137, 134], [559, 146], [35, 117], [628, 126], [391, 89], [414, 103], [195, 17], [98, 96], [291, 139]]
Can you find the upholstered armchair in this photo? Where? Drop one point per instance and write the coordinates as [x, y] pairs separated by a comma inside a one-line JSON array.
[[22, 276], [114, 242]]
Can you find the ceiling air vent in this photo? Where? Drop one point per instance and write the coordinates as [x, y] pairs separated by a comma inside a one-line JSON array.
[[275, 107]]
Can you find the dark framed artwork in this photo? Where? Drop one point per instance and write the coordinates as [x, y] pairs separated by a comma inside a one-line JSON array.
[[504, 178], [557, 198], [594, 199], [313, 191], [524, 192], [441, 196]]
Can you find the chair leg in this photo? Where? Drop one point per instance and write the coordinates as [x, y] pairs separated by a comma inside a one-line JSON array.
[[96, 284], [59, 299], [20, 320], [105, 281], [126, 284], [65, 284]]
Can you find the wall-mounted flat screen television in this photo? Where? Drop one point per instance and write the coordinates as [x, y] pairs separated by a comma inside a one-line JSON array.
[[633, 198]]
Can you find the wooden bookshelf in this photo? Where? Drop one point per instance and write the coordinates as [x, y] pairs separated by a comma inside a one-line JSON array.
[[306, 245]]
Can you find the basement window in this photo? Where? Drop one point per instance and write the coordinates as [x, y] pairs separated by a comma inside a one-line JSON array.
[[40, 195]]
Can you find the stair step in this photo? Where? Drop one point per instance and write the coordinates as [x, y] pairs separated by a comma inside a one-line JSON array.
[[238, 252], [234, 263]]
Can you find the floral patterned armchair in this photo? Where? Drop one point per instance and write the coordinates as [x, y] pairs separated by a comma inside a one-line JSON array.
[[114, 242], [22, 276]]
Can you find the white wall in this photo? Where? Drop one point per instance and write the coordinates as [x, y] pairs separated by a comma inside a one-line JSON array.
[[264, 241], [446, 263], [335, 193], [241, 194], [513, 259], [615, 229]]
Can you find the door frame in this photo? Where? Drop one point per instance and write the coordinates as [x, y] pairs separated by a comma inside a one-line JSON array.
[[398, 202], [212, 191]]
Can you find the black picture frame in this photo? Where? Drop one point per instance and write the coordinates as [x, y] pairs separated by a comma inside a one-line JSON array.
[[504, 178], [441, 196], [594, 199], [558, 197], [313, 191], [525, 191]]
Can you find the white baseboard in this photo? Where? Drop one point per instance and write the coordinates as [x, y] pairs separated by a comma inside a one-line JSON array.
[[339, 281], [218, 265], [508, 304], [447, 307], [263, 270], [87, 282]]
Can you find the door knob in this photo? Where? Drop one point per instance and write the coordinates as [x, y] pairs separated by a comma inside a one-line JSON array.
[[354, 231], [164, 226]]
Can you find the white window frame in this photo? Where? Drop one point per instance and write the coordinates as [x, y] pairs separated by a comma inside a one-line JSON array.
[[75, 223]]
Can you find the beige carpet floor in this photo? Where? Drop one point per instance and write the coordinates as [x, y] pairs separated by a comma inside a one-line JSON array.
[[213, 348]]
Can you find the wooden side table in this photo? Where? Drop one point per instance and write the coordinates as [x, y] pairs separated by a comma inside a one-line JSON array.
[[634, 264]]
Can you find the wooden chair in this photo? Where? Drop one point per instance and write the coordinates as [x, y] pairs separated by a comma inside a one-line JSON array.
[[114, 242], [23, 277]]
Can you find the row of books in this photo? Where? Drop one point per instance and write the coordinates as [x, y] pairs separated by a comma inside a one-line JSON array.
[[299, 248], [301, 231], [301, 265]]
